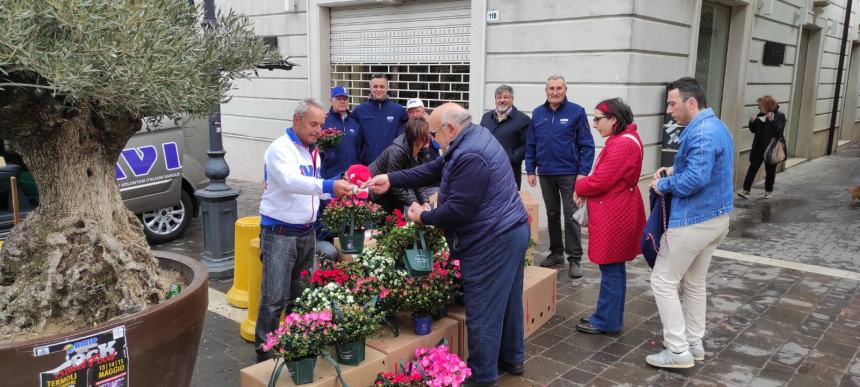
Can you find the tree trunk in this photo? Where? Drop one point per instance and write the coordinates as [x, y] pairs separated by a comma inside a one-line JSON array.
[[81, 256]]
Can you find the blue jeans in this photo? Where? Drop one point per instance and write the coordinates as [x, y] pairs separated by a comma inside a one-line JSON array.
[[326, 251], [284, 258], [493, 294], [609, 314]]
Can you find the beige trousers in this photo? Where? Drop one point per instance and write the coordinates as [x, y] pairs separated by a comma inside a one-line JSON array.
[[684, 257]]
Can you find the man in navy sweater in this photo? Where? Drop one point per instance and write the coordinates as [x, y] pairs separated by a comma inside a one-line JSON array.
[[509, 126], [560, 149], [380, 119], [486, 226], [337, 159]]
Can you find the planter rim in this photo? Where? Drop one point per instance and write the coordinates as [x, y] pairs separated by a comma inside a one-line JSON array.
[[201, 275]]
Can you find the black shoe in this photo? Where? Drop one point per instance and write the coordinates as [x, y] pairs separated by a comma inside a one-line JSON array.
[[517, 369], [590, 329], [552, 260], [470, 383], [575, 270]]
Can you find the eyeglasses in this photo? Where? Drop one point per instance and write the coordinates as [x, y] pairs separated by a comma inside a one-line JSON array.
[[598, 118]]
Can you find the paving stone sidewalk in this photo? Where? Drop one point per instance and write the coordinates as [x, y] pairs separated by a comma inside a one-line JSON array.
[[766, 325]]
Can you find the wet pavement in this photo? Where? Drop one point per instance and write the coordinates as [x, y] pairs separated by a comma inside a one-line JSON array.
[[768, 324]]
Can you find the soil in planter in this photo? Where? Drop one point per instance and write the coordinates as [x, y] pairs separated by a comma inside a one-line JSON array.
[[165, 276]]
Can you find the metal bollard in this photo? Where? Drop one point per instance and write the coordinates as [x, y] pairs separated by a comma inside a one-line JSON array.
[[247, 228], [254, 276]]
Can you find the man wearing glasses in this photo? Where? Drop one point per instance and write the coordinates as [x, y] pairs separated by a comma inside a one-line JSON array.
[[559, 149], [486, 225]]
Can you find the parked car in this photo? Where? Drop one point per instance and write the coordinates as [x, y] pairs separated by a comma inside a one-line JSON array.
[[157, 174]]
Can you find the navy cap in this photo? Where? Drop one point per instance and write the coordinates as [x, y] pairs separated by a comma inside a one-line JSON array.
[[338, 91]]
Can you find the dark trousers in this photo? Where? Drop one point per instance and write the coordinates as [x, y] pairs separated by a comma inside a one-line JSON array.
[[609, 314], [557, 192], [518, 173], [284, 257], [493, 294], [769, 175]]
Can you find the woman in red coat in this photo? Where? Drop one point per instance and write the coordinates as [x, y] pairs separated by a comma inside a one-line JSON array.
[[616, 214]]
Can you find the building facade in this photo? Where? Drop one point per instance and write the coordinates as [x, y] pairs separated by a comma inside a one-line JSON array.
[[454, 50]]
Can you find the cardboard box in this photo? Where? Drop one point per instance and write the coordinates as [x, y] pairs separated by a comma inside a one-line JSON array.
[[324, 374], [458, 314], [539, 293], [539, 286], [403, 347], [532, 208]]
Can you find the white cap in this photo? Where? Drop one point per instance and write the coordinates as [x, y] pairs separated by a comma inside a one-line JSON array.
[[413, 103]]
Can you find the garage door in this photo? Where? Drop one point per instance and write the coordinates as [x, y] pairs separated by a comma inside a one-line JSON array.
[[423, 47]]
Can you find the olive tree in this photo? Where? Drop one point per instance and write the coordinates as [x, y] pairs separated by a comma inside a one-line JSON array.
[[77, 77]]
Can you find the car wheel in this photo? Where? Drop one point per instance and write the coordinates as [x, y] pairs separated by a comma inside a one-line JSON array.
[[169, 223]]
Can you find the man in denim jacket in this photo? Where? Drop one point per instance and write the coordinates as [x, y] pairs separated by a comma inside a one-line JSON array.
[[701, 186]]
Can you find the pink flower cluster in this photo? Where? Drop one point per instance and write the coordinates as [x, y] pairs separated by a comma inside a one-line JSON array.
[[442, 368], [300, 327]]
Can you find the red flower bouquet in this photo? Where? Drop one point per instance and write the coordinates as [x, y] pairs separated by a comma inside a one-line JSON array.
[[329, 137]]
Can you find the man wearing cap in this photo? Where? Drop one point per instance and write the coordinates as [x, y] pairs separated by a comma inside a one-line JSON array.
[[292, 187], [509, 126], [559, 149], [337, 159], [415, 110], [380, 119]]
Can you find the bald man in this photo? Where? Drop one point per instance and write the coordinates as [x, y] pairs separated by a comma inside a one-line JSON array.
[[486, 226]]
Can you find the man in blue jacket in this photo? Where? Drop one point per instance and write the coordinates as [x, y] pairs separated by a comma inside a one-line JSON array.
[[337, 159], [486, 227], [560, 149], [700, 182], [380, 120]]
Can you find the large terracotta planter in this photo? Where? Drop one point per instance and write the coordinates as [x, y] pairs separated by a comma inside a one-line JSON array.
[[161, 342]]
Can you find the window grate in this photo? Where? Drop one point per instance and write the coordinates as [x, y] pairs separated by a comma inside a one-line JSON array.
[[434, 83]]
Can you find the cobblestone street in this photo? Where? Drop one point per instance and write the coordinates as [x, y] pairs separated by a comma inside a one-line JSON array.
[[783, 306]]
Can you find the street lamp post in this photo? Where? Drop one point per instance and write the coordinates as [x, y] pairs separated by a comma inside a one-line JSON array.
[[218, 200]]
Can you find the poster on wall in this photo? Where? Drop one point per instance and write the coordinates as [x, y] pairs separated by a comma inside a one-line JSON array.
[[99, 360], [671, 132]]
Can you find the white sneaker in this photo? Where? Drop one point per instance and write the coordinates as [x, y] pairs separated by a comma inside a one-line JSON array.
[[766, 195], [669, 359], [744, 194], [698, 351]]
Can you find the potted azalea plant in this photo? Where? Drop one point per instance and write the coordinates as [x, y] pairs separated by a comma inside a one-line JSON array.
[[296, 344], [428, 296], [381, 272], [440, 367], [354, 324], [412, 245], [349, 216], [329, 138]]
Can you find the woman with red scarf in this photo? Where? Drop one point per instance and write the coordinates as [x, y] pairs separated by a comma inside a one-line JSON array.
[[615, 210]]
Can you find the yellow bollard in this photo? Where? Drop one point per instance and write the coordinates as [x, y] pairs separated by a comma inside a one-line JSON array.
[[247, 228], [254, 276]]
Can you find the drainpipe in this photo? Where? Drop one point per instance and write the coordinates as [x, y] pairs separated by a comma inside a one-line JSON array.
[[839, 70]]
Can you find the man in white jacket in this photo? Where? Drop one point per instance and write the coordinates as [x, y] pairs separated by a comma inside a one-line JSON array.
[[288, 210]]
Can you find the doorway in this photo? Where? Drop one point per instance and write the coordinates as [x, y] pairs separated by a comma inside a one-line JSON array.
[[712, 52], [797, 93]]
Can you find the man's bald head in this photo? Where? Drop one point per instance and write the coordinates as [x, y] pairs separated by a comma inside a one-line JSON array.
[[446, 121]]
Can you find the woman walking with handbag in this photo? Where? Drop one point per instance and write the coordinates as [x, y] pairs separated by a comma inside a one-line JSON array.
[[616, 214], [767, 125]]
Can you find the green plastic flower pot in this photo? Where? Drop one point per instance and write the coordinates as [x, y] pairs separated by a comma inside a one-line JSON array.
[[351, 237], [351, 353], [302, 370], [418, 259]]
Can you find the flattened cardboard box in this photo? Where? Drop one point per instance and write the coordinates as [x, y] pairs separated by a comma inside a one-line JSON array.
[[324, 374], [403, 347], [539, 293], [532, 209]]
